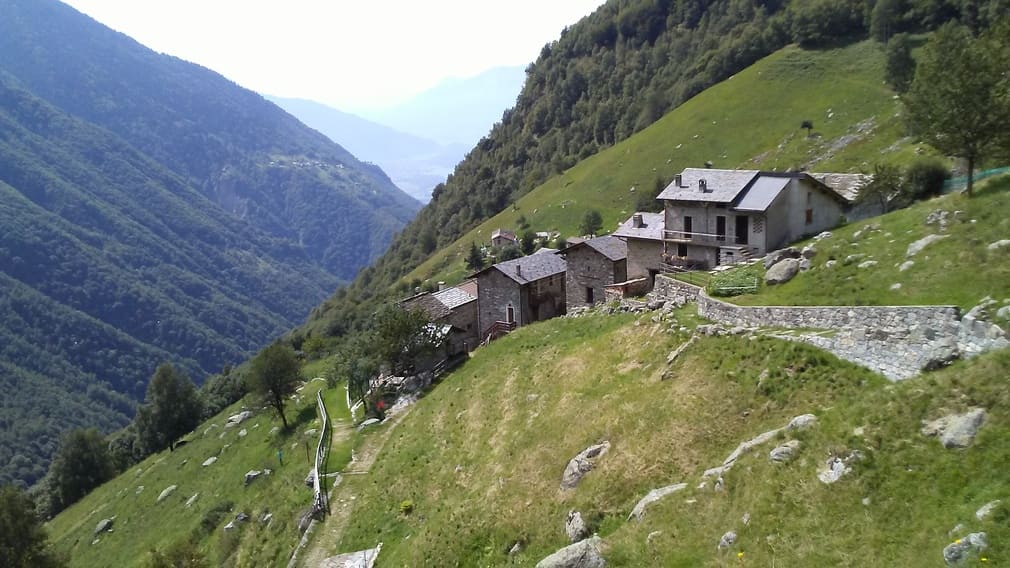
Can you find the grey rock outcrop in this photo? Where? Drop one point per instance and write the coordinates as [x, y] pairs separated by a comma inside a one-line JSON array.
[[985, 511], [191, 500], [917, 246], [239, 418], [582, 464], [838, 467], [168, 491], [906, 265], [775, 257], [866, 264], [209, 461], [104, 525], [728, 539], [367, 423], [956, 430], [576, 528], [251, 476], [1002, 243], [583, 554], [959, 550], [360, 559], [785, 453], [782, 271], [800, 422], [651, 497]]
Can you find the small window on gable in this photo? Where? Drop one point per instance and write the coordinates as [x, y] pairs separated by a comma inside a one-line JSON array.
[[810, 216]]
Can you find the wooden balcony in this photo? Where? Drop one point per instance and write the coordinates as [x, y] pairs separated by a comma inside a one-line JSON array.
[[704, 239]]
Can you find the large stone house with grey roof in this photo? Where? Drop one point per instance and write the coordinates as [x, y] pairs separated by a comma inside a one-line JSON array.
[[519, 292], [592, 265], [715, 217]]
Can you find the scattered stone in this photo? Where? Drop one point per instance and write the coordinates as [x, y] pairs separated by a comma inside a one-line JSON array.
[[865, 231], [575, 527], [266, 518], [677, 352], [104, 525], [824, 235], [168, 491], [209, 461], [745, 519], [802, 422], [310, 479], [651, 497], [532, 397], [516, 548], [775, 257], [367, 423], [939, 217], [719, 484], [581, 464], [656, 304], [999, 244], [140, 488], [359, 559], [727, 540], [1003, 313], [243, 433], [242, 517], [209, 428], [853, 258], [838, 467], [959, 550], [251, 476], [805, 264], [191, 500], [229, 526], [239, 418], [96, 541], [906, 265], [785, 453], [583, 554], [958, 529], [652, 536], [304, 520], [895, 287], [782, 271], [956, 430], [986, 510], [830, 264], [917, 246], [866, 501], [311, 432], [866, 264], [274, 430], [808, 251]]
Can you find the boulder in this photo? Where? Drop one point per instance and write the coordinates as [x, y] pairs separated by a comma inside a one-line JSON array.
[[575, 527], [837, 467], [728, 539], [805, 264], [367, 423], [958, 551], [582, 464], [583, 554], [906, 265], [985, 511], [785, 453], [775, 257], [209, 461], [956, 430], [917, 246], [239, 418], [866, 264], [853, 258], [168, 491], [251, 476], [243, 433], [651, 497], [808, 251], [802, 422], [1002, 243], [782, 271], [191, 500], [266, 518], [360, 559], [104, 525], [241, 517], [1003, 313]]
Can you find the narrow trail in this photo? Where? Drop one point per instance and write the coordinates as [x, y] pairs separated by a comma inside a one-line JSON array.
[[343, 497]]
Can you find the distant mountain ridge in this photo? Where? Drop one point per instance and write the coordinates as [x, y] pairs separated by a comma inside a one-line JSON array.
[[415, 164], [151, 210]]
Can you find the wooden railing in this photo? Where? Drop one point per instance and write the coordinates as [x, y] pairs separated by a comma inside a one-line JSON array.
[[497, 329]]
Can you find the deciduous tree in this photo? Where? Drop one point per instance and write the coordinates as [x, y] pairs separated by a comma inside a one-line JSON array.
[[81, 464], [591, 223], [22, 538], [171, 409], [959, 101], [274, 375]]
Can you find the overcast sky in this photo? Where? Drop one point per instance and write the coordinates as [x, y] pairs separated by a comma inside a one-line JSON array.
[[352, 55]]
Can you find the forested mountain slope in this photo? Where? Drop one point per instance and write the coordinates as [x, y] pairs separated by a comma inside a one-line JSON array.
[[151, 210], [241, 151]]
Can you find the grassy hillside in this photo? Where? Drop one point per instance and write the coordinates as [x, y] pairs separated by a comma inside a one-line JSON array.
[[143, 524], [751, 120], [481, 457], [958, 270]]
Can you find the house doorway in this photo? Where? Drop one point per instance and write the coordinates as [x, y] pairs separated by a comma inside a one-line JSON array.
[[590, 296], [741, 229], [510, 314], [720, 228]]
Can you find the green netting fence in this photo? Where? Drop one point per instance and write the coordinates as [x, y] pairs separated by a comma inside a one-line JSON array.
[[958, 183]]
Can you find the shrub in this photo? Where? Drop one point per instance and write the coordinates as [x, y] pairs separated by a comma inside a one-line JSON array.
[[924, 179], [406, 507]]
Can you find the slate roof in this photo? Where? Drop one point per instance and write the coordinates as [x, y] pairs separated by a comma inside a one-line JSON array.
[[453, 297], [846, 185], [651, 229], [723, 186], [608, 245], [760, 195], [428, 303], [533, 267]]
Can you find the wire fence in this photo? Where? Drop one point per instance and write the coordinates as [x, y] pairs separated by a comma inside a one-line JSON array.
[[320, 506], [961, 182]]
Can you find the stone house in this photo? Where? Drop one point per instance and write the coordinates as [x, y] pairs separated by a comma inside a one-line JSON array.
[[643, 233], [454, 308], [592, 265], [519, 292], [715, 217], [502, 238]]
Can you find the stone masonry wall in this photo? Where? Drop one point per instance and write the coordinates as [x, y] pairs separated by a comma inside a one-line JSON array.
[[896, 341]]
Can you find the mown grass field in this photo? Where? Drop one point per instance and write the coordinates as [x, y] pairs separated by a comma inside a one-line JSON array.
[[959, 270], [481, 456], [143, 524], [749, 121]]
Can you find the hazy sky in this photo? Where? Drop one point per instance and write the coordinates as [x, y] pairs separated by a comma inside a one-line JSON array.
[[353, 55]]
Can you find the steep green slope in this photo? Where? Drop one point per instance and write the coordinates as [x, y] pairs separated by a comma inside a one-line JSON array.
[[481, 457], [241, 151]]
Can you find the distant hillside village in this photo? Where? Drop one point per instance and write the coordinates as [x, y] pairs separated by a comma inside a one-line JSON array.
[[711, 218]]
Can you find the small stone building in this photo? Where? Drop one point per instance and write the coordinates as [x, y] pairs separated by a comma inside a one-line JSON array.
[[456, 309], [643, 233], [519, 292], [592, 265], [502, 238]]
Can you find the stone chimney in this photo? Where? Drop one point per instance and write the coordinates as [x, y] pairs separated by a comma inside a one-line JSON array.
[[441, 285], [519, 270], [678, 180], [636, 221], [702, 185]]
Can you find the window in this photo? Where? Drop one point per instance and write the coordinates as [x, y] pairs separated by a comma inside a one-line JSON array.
[[688, 226], [810, 216], [720, 228], [741, 229], [589, 295], [682, 250]]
